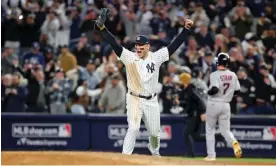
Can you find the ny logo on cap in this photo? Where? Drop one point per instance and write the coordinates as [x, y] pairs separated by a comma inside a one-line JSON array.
[[138, 38]]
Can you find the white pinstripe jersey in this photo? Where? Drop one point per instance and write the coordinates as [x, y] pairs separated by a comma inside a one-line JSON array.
[[142, 74], [227, 83]]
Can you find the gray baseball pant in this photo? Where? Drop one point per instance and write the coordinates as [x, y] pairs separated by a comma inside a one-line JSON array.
[[217, 111]]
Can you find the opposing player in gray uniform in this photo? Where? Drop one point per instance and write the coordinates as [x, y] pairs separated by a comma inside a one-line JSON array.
[[223, 85]]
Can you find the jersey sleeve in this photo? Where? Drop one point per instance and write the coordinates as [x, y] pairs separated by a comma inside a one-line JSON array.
[[127, 56], [237, 84], [162, 55], [214, 81]]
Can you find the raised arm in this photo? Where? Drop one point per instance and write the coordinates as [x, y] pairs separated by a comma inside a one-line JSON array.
[[106, 34], [112, 41], [176, 43]]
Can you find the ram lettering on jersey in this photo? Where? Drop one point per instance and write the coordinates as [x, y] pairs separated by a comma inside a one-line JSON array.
[[41, 130], [119, 132], [225, 77]]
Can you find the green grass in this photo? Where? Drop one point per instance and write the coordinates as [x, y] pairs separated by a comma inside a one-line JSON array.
[[270, 160], [232, 159]]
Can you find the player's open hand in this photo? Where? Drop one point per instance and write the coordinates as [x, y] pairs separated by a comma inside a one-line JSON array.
[[188, 23]]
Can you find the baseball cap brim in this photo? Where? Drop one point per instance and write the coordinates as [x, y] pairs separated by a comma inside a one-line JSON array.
[[136, 42]]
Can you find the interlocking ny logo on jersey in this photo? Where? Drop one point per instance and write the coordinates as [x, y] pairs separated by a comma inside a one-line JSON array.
[[150, 67]]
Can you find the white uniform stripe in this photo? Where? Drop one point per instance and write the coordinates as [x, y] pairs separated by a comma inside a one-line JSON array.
[[142, 77], [134, 118]]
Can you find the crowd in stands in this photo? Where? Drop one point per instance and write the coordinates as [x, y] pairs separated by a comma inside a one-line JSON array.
[[54, 59]]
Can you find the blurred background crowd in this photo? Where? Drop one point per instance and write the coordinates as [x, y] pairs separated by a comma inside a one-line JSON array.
[[55, 60]]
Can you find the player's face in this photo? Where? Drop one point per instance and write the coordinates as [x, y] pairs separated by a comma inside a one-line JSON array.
[[142, 50]]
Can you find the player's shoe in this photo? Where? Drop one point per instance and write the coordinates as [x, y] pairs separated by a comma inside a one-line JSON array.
[[209, 158], [237, 149], [154, 154]]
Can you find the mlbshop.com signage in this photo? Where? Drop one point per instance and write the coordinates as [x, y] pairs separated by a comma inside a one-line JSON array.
[[36, 134], [44, 132], [256, 133], [108, 132], [118, 132], [98, 132], [258, 138]]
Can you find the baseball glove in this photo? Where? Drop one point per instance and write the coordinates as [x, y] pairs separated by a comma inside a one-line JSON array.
[[105, 13]]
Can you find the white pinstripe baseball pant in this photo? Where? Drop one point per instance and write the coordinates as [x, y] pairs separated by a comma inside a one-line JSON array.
[[148, 110]]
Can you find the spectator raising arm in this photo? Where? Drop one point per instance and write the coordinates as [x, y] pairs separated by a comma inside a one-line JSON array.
[[50, 27]]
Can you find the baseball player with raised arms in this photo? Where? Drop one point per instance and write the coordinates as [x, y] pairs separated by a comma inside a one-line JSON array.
[[142, 68], [223, 85]]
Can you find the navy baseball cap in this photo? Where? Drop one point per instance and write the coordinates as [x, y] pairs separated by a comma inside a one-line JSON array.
[[35, 45], [142, 39]]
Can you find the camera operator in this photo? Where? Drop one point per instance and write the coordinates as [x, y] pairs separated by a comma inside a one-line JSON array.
[[194, 106]]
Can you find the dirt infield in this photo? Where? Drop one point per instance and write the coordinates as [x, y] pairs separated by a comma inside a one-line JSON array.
[[89, 158]]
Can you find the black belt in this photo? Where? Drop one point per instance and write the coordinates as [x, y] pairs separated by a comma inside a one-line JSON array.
[[142, 96]]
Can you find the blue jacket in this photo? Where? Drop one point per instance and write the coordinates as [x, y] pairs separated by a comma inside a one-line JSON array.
[[34, 58]]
